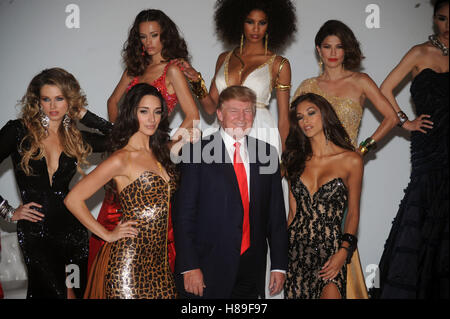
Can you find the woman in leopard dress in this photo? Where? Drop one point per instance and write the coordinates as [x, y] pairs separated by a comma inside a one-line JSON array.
[[133, 264]]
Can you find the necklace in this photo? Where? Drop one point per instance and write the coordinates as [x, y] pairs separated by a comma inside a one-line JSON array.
[[438, 44]]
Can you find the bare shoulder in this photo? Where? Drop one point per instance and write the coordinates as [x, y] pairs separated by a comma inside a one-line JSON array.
[[358, 77], [421, 48], [174, 70], [281, 59], [222, 57], [417, 52], [117, 160], [352, 160], [363, 80]]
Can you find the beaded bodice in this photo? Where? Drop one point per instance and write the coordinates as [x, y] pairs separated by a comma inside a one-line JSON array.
[[160, 84], [314, 236], [348, 111]]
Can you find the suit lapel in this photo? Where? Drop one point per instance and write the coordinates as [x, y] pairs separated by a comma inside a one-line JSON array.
[[253, 164], [225, 167]]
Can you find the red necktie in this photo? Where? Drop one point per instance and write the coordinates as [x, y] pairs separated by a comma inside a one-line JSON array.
[[241, 175]]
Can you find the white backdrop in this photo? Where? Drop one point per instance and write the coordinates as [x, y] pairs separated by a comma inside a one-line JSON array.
[[40, 34]]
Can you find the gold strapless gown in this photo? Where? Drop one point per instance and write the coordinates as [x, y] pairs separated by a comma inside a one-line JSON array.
[[138, 268], [349, 113]]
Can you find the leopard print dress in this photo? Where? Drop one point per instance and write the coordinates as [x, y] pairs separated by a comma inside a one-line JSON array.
[[314, 236], [138, 268]]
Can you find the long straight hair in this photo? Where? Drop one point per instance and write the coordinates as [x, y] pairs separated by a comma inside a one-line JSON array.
[[298, 146]]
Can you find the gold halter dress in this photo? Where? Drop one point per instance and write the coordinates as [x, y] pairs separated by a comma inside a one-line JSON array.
[[349, 113]]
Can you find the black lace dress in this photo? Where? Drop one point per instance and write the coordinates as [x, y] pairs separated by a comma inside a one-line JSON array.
[[415, 260], [314, 236], [59, 240]]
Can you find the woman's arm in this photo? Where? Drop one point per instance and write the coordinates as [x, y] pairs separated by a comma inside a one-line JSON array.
[[119, 91], [282, 87], [90, 184], [407, 65], [98, 142], [373, 93], [355, 167], [209, 101], [9, 135], [188, 128], [292, 207]]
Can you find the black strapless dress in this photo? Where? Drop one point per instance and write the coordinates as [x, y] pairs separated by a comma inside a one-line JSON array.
[[415, 260]]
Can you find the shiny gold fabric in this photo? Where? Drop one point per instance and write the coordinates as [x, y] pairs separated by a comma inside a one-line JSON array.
[[138, 267], [349, 113]]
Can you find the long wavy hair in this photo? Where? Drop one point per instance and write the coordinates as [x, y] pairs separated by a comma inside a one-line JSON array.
[[127, 124], [298, 146], [174, 46], [31, 146], [353, 55]]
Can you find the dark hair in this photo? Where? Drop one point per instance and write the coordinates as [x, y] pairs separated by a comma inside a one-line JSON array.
[[174, 46], [353, 54], [298, 146], [438, 4], [230, 15], [127, 124]]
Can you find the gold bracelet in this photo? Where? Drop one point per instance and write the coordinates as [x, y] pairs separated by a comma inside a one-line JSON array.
[[199, 87], [367, 145], [282, 87]]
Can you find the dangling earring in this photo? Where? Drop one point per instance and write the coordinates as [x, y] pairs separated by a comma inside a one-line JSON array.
[[45, 121], [266, 42], [242, 43], [143, 50], [327, 137], [320, 66], [66, 121]]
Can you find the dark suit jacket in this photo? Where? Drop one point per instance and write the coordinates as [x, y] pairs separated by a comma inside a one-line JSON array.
[[208, 214]]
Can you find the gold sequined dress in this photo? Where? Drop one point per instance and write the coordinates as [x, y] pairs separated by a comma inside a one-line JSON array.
[[349, 113], [138, 267]]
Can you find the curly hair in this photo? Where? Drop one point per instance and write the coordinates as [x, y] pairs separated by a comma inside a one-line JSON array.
[[298, 146], [31, 146], [174, 46], [353, 55], [230, 16], [127, 124]]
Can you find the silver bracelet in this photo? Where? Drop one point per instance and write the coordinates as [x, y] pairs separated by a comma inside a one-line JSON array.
[[7, 211], [402, 118]]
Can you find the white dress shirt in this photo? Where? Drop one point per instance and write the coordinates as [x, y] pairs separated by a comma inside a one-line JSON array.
[[229, 145]]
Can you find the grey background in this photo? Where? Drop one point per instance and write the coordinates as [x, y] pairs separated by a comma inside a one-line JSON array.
[[34, 36]]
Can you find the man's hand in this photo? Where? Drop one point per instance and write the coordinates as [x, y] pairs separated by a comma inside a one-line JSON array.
[[276, 282], [193, 282]]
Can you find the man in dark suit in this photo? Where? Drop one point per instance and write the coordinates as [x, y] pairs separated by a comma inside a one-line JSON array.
[[228, 206]]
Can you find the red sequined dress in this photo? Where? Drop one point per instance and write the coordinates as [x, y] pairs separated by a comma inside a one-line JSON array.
[[110, 212]]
